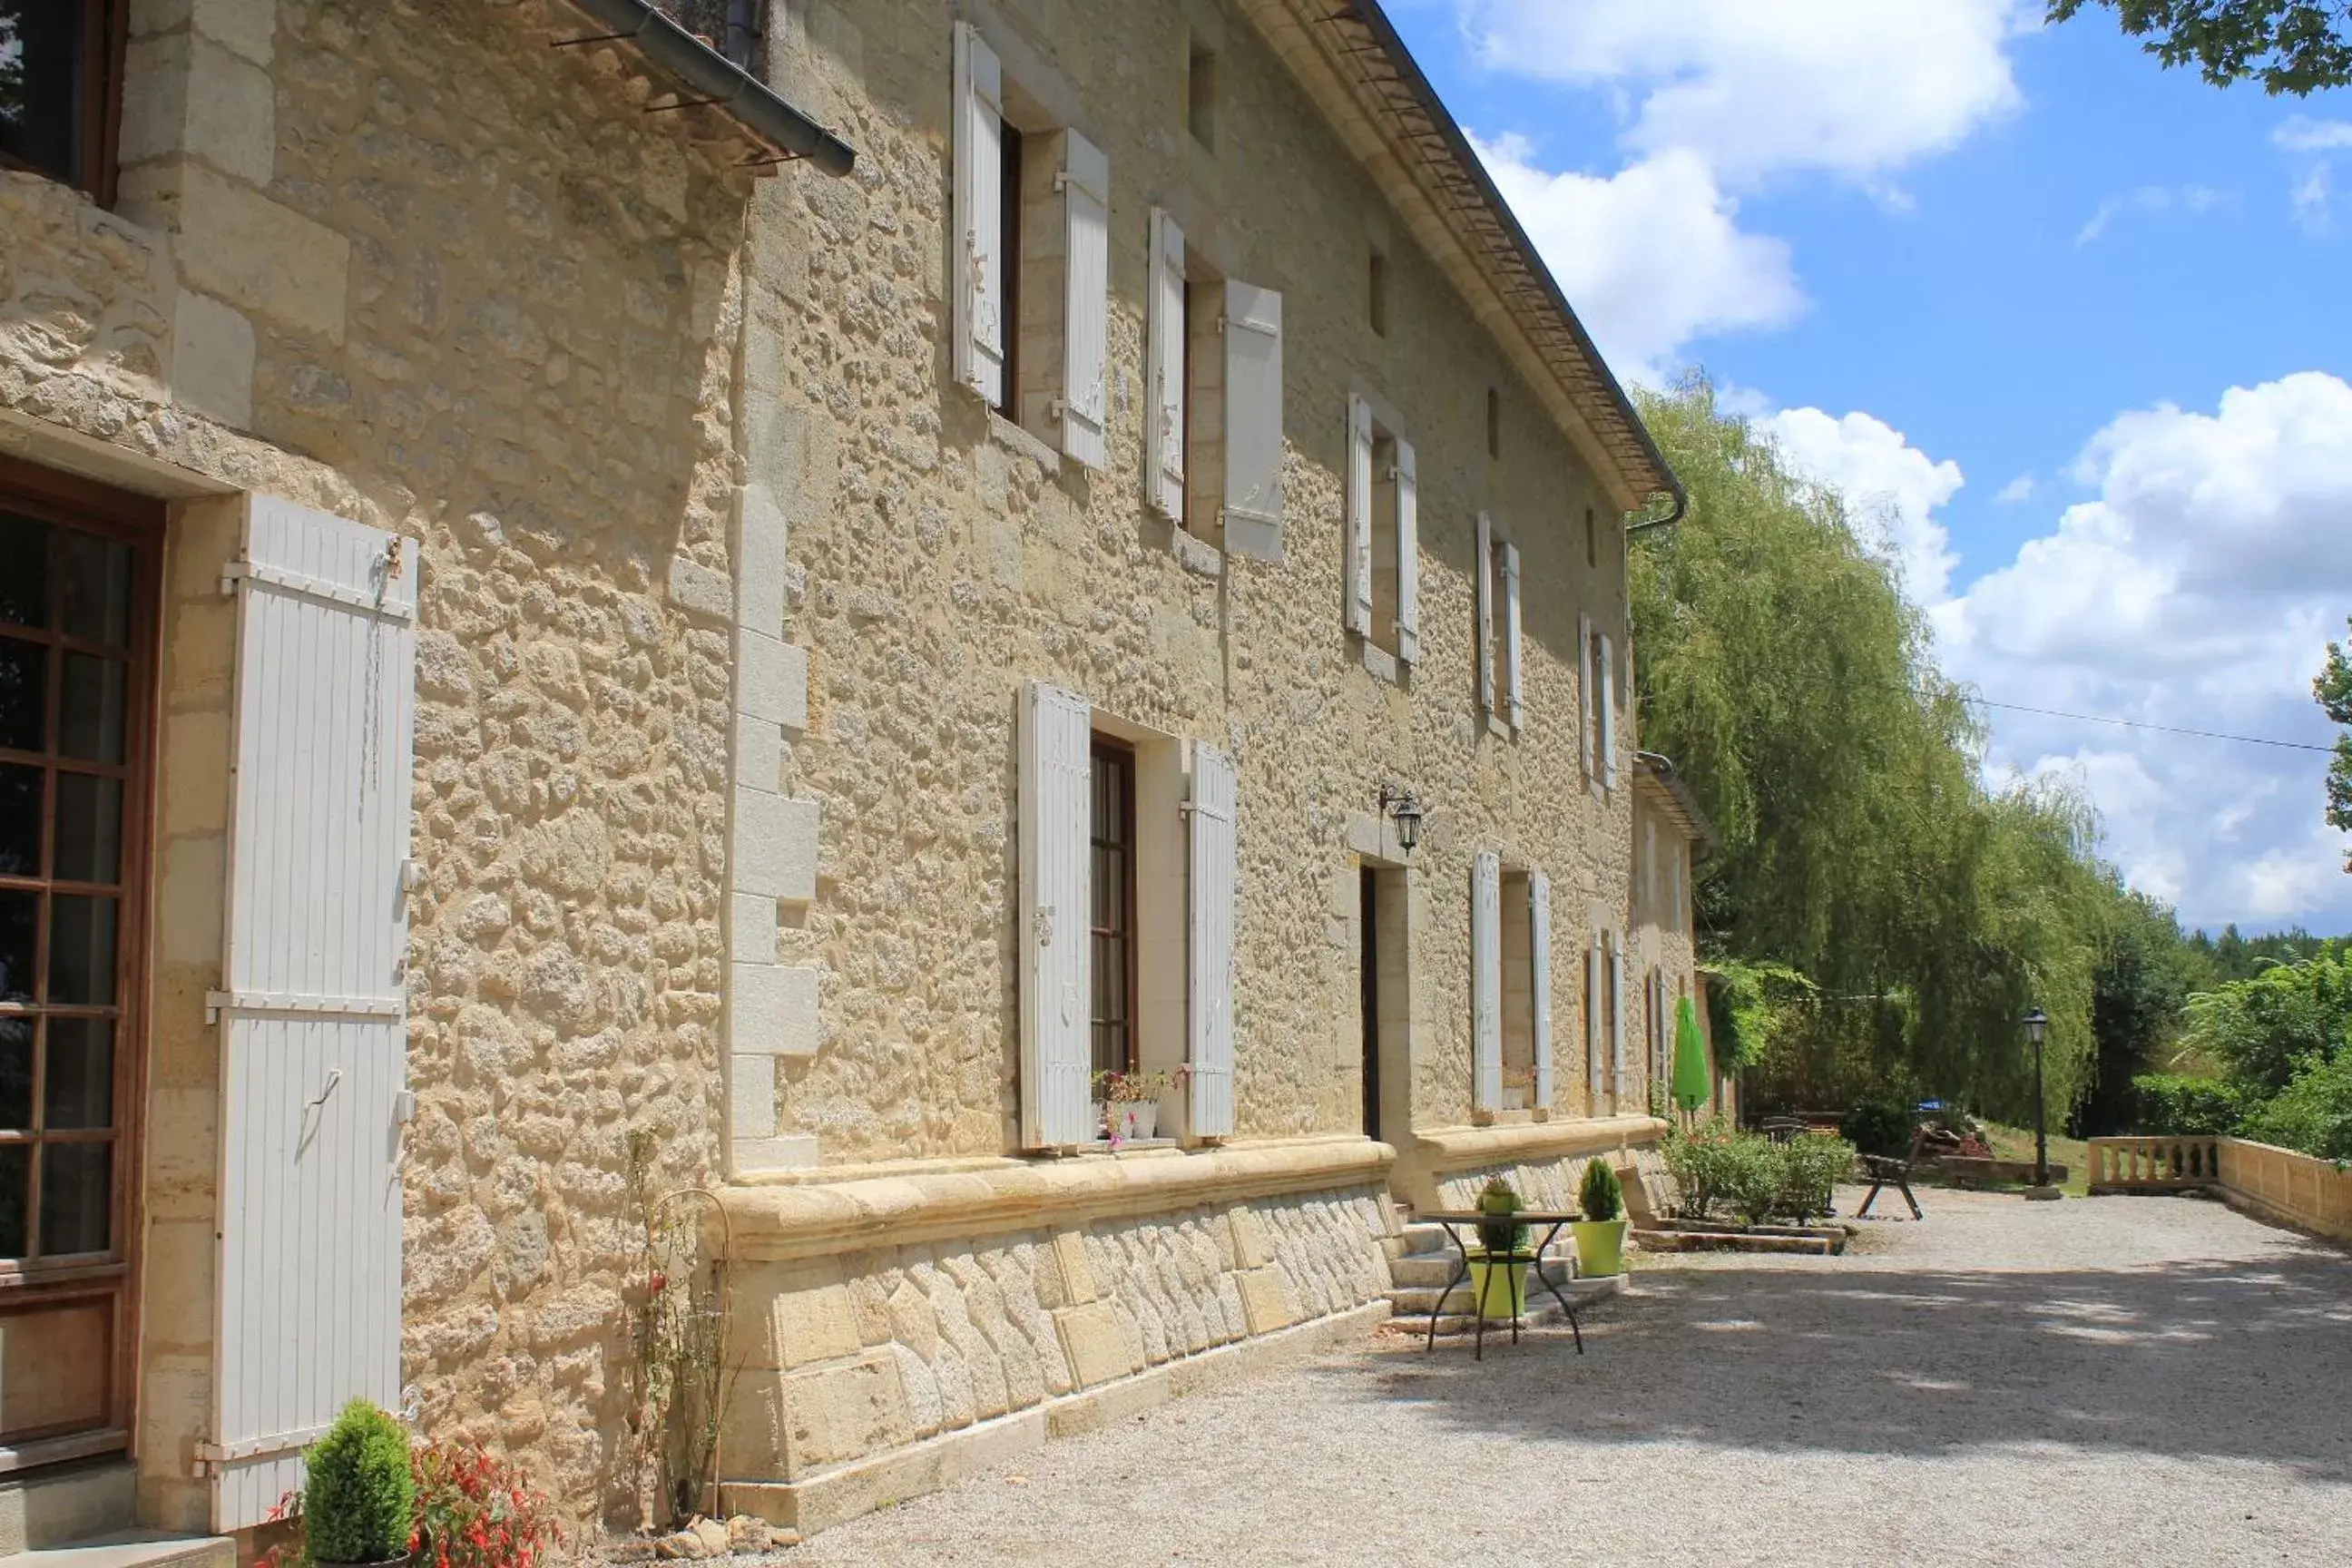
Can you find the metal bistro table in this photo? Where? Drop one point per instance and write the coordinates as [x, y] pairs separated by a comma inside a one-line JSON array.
[[1457, 1222]]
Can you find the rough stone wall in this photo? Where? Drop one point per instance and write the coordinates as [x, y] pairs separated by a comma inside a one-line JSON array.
[[1662, 936], [944, 563], [850, 1357], [1553, 1184], [408, 263]]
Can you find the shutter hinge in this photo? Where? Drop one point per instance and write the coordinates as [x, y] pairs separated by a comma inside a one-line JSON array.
[[1061, 180]]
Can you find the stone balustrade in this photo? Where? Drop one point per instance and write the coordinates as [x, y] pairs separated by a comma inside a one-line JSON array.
[[2154, 1165], [2276, 1183]]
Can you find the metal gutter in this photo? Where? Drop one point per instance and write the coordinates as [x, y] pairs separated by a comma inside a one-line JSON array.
[[715, 80], [1659, 770]]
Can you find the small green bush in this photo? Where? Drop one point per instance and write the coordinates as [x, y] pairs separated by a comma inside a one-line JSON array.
[[1500, 1234], [1600, 1196], [2174, 1105], [1812, 1165], [2313, 1114], [1700, 1163], [1883, 1126], [1718, 1167], [359, 1502], [1754, 1176]]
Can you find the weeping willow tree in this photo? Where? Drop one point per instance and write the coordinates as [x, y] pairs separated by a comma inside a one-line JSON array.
[[1792, 683]]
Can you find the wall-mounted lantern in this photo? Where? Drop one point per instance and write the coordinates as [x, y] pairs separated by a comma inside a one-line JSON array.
[[1400, 807]]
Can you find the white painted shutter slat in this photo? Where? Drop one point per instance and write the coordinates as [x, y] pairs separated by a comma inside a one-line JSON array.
[[1511, 646], [1486, 613], [1057, 824], [1584, 683], [978, 260], [314, 1036], [1211, 956], [1085, 337], [1487, 982], [1356, 612], [1163, 421], [1593, 1000], [1252, 323], [1616, 1019], [1408, 535], [1539, 980], [1608, 698]]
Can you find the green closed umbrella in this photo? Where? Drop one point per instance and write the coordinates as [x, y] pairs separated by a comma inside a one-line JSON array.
[[1691, 1087]]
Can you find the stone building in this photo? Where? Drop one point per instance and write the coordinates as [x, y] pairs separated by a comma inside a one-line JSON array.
[[570, 638]]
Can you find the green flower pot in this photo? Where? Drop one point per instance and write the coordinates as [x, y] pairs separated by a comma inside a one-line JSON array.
[[1600, 1245], [1498, 1284]]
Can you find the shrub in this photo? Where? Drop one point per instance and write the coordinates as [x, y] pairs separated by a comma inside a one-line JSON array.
[[1812, 1165], [1600, 1196], [1700, 1163], [2174, 1105], [1754, 1174], [473, 1511], [1500, 1234], [1880, 1127], [359, 1503], [2313, 1114]]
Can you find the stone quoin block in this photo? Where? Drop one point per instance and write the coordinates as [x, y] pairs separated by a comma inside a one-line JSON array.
[[775, 1010], [775, 845]]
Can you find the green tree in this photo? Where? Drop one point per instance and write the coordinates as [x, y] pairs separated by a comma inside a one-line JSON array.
[[2296, 46], [2334, 689], [2136, 992], [2265, 1028]]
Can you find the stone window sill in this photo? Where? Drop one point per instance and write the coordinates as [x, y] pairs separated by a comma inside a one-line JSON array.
[[1501, 728], [1008, 435], [1380, 663], [1195, 555]]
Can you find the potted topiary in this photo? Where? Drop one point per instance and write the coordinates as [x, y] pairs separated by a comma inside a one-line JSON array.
[[1601, 1233], [1498, 1267], [358, 1504]]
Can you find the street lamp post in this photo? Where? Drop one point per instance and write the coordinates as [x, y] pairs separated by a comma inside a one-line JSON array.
[[2037, 1029]]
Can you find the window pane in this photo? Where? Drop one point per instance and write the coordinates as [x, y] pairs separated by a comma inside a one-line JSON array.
[[92, 707], [24, 553], [77, 1090], [40, 100], [20, 924], [24, 695], [20, 821], [16, 1074], [82, 949], [77, 1188], [89, 828], [16, 1169], [93, 585]]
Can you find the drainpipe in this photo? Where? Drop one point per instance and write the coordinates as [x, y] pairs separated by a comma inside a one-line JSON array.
[[742, 33], [1682, 505]]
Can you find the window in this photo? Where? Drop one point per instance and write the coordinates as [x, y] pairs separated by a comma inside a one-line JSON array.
[[1500, 646], [1111, 925], [1382, 567], [1201, 94], [1494, 423], [1213, 428], [1597, 681], [61, 89], [1591, 541], [1377, 295], [1031, 259]]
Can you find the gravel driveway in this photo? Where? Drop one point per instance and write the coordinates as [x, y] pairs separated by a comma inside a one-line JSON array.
[[2101, 1381]]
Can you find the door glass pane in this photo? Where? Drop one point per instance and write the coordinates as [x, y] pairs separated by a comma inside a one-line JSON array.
[[89, 828], [92, 708], [24, 695], [16, 1171], [16, 1074], [40, 100], [93, 588], [82, 949], [20, 924], [24, 569], [76, 1192], [20, 820], [77, 1087]]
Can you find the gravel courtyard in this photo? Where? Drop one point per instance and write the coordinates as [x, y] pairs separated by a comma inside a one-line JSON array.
[[2151, 1379]]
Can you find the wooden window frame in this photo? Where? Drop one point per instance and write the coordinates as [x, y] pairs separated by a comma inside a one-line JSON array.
[[1111, 748], [106, 28]]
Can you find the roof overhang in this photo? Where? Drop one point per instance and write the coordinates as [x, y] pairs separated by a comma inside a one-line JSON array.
[[1664, 788], [1359, 73]]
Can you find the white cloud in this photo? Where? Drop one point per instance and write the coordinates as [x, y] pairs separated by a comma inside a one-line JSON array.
[[2310, 142], [1858, 88], [2314, 206], [1650, 258], [2154, 199], [2021, 488], [2195, 590], [2303, 134], [1891, 488]]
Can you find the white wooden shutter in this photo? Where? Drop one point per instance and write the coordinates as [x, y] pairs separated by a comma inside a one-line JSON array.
[[1356, 614], [1540, 979], [1593, 1000], [1608, 700], [1487, 982], [1616, 1018], [978, 260], [1252, 323], [1214, 893], [1085, 305], [1163, 422], [1584, 690], [1408, 545], [1056, 823], [314, 1034], [1486, 613], [1511, 648]]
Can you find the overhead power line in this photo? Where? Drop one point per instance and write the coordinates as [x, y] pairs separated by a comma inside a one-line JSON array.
[[2159, 728]]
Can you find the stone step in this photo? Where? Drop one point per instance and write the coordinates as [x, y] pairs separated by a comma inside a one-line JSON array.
[[1414, 1239], [1540, 1309], [132, 1548], [50, 1507], [1422, 1300]]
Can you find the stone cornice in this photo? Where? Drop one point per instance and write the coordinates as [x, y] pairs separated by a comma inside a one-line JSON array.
[[1452, 1148]]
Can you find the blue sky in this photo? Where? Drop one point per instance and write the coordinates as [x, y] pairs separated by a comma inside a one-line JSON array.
[[2069, 330]]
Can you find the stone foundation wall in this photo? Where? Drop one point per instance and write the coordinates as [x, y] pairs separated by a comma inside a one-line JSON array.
[[852, 1357], [1551, 1184]]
